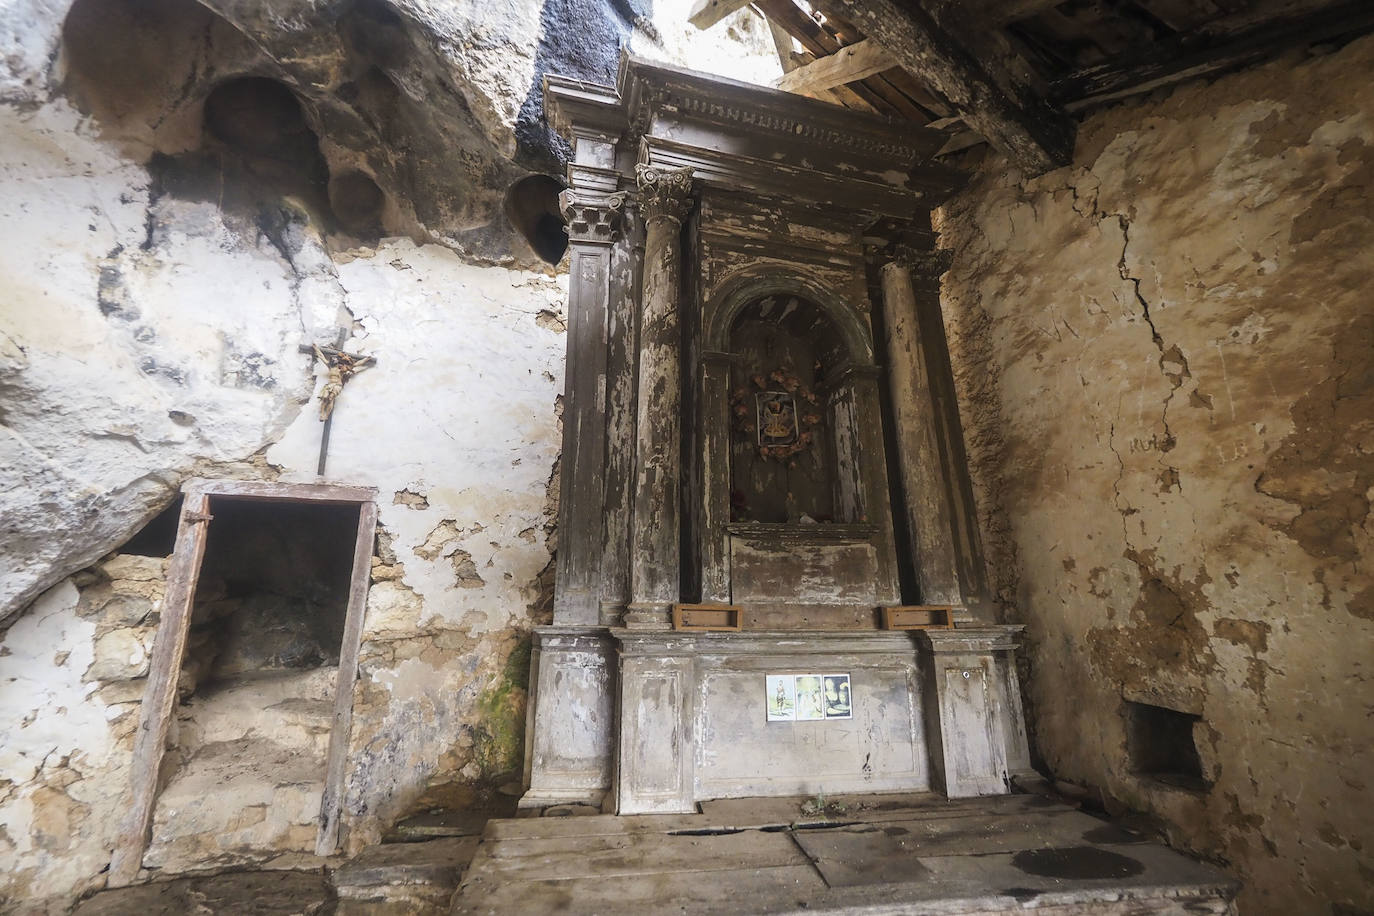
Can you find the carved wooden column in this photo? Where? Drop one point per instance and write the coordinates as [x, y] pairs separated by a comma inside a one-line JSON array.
[[655, 559], [921, 467], [592, 223]]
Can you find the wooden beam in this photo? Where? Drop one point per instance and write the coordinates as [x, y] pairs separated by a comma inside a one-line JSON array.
[[159, 696], [706, 13], [883, 99], [847, 65], [782, 41], [1177, 60], [331, 801], [1035, 135]]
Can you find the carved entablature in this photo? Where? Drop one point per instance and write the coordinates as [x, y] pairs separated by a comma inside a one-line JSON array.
[[924, 263], [593, 219], [664, 193]]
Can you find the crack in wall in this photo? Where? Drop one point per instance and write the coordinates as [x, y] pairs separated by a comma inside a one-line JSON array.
[[1167, 354]]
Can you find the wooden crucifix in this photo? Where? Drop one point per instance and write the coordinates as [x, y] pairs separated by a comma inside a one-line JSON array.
[[342, 367]]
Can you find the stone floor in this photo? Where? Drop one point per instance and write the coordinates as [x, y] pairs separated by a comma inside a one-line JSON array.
[[878, 854]]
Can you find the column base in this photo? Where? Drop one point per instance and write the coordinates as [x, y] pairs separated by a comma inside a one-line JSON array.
[[974, 722], [569, 733]]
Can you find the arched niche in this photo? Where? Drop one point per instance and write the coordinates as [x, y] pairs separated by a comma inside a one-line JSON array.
[[809, 493], [785, 353]]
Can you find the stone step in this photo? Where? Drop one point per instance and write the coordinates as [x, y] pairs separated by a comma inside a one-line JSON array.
[[403, 879]]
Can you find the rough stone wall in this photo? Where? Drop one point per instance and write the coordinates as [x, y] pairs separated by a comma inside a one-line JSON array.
[[1165, 363], [162, 270]]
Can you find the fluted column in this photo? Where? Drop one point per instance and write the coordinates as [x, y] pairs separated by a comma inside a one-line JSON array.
[[923, 480], [593, 221], [655, 560]]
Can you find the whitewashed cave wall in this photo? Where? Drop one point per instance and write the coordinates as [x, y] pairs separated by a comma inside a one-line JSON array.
[[149, 335], [1165, 364]]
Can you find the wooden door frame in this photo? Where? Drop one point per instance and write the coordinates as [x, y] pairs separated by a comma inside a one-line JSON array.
[[169, 646]]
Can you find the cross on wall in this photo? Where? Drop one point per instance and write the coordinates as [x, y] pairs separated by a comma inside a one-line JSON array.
[[341, 366]]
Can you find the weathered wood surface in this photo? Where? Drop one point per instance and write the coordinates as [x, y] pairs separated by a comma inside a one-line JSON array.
[[1035, 135], [539, 858], [861, 855], [627, 262], [921, 464], [963, 862], [270, 489], [577, 592], [331, 802], [847, 65], [706, 13], [875, 93], [655, 570], [159, 696], [1167, 63]]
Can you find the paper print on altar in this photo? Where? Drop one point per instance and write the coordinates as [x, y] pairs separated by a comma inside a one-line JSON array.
[[777, 418], [810, 698], [837, 700], [782, 697]]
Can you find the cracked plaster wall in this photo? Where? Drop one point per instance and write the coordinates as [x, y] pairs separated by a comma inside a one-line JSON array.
[[1165, 363], [151, 330]]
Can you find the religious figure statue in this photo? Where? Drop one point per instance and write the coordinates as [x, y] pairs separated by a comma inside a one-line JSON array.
[[342, 367]]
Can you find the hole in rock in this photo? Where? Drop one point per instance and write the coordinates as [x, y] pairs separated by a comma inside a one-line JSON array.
[[128, 62], [532, 208], [258, 160], [159, 536], [357, 202], [1159, 742]]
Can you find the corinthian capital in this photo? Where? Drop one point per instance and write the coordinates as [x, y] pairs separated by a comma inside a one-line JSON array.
[[591, 218], [664, 193], [929, 263]]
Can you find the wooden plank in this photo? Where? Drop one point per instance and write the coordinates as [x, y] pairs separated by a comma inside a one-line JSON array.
[[847, 65], [331, 802], [853, 857], [595, 825], [817, 41], [706, 13], [716, 891], [159, 696], [1172, 62], [271, 489], [606, 857], [922, 96], [1034, 134]]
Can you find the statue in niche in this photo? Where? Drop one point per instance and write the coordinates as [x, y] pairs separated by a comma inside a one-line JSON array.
[[781, 451]]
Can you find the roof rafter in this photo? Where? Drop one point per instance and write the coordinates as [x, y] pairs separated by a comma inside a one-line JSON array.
[[1035, 135]]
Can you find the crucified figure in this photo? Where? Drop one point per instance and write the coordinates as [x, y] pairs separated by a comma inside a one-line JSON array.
[[342, 367]]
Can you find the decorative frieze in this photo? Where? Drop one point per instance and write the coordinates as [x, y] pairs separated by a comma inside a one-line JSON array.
[[664, 193], [591, 219]]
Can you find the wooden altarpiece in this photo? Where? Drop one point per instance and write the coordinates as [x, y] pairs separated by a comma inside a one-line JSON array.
[[756, 365]]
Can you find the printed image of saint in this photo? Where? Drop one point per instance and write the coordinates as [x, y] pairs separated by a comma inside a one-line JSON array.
[[777, 418], [782, 697], [810, 698], [837, 699]]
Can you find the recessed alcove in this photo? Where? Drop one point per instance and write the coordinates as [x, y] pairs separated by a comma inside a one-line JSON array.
[[273, 589], [782, 454], [264, 603], [257, 680], [532, 208], [1160, 745]]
